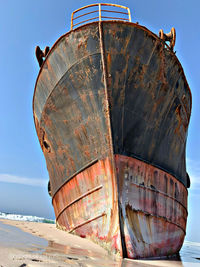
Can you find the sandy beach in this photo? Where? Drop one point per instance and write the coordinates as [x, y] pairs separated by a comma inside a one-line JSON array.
[[41, 244]]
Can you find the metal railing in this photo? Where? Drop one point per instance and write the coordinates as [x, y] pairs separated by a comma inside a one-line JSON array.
[[102, 14]]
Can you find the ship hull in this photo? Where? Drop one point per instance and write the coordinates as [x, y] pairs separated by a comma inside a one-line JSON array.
[[152, 208], [111, 109]]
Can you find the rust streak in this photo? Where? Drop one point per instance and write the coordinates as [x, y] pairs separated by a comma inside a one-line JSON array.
[[79, 198], [159, 217], [76, 173], [161, 193], [106, 85], [88, 221]]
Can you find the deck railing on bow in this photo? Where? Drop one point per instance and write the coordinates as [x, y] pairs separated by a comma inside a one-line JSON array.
[[100, 12]]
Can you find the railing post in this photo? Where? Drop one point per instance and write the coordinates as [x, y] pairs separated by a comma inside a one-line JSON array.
[[72, 16], [129, 15], [99, 12]]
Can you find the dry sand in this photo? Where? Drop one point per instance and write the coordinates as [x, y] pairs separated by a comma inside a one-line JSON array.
[[40, 244]]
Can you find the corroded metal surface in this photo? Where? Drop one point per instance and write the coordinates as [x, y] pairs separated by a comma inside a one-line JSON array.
[[87, 206], [154, 209], [73, 118], [169, 37], [150, 100], [145, 80], [115, 88]]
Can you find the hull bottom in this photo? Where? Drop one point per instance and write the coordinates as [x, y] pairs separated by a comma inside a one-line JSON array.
[[129, 207], [153, 205], [87, 206]]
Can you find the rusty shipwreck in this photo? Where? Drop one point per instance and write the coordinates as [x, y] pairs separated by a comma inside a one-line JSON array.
[[111, 108]]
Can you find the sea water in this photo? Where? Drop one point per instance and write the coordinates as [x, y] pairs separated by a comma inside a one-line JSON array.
[[28, 218]]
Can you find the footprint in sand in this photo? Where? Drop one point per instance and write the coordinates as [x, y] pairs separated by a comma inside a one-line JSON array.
[[36, 260]]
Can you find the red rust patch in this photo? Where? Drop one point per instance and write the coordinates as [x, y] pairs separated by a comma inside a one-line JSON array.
[[86, 205]]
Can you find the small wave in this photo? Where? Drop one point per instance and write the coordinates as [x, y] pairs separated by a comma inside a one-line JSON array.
[[19, 217], [191, 243]]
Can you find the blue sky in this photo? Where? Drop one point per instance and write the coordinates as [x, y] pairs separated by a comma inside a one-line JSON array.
[[25, 24]]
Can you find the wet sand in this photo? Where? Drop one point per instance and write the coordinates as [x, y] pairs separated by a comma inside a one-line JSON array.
[[40, 244]]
